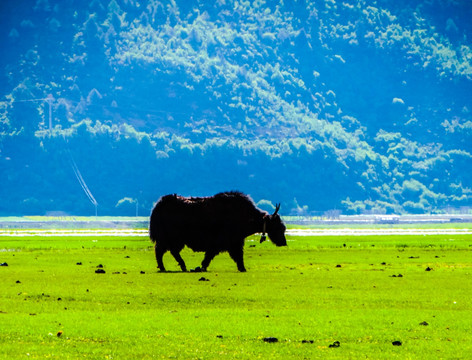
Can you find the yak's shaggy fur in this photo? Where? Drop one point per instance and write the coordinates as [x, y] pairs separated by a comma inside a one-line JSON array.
[[210, 224]]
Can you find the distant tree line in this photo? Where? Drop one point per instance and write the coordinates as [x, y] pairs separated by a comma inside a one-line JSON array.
[[355, 106]]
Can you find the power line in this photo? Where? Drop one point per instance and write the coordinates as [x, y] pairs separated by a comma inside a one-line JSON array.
[[81, 181], [28, 100], [50, 99]]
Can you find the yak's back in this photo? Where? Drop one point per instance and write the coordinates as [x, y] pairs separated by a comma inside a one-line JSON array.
[[231, 200]]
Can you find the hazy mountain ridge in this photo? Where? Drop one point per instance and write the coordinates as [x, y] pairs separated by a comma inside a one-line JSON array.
[[360, 105]]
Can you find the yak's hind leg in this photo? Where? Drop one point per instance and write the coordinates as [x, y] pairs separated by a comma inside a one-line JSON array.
[[236, 253], [209, 255], [176, 254], [160, 251]]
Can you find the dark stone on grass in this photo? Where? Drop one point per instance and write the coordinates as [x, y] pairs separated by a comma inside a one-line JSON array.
[[142, 272], [429, 269], [308, 341], [100, 266], [99, 271], [336, 344], [338, 266], [18, 281], [424, 323], [219, 336], [270, 339], [399, 275], [203, 279], [397, 343], [4, 264], [79, 263]]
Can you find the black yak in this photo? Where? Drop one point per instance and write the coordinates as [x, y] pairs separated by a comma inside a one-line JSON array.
[[210, 224]]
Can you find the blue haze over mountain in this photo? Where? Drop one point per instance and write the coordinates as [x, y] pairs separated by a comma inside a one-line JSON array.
[[360, 106]]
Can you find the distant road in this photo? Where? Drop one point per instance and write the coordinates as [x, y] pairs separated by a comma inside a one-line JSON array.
[[77, 232], [380, 231], [290, 232]]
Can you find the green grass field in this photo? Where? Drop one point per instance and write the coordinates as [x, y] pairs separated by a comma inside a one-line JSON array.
[[363, 292]]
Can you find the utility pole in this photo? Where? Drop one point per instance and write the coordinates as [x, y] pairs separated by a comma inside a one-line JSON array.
[[50, 100]]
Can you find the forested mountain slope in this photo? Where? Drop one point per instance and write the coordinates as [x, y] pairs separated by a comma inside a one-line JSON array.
[[354, 105]]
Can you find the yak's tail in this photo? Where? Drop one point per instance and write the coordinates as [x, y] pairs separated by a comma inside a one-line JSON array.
[[153, 226], [153, 230], [156, 220]]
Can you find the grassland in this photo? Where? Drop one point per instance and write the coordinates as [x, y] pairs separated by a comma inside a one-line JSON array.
[[363, 292]]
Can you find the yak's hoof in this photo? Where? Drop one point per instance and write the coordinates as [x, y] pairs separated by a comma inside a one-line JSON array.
[[242, 270]]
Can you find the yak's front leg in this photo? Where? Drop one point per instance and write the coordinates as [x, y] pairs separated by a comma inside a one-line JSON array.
[[236, 254]]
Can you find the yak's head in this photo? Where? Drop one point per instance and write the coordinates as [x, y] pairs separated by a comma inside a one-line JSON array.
[[275, 228]]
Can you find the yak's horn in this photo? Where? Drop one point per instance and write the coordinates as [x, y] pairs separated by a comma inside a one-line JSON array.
[[277, 207]]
